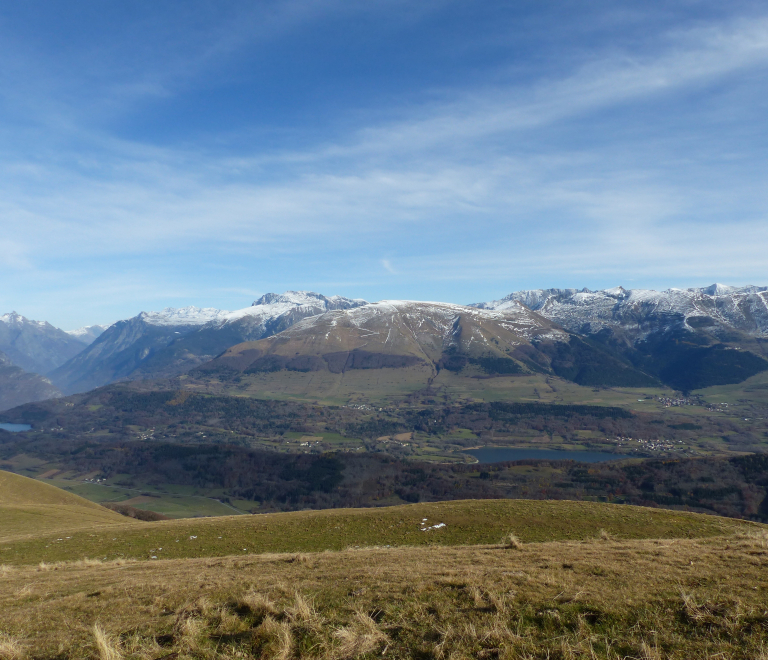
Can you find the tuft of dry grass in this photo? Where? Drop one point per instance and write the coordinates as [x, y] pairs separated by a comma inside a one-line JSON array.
[[11, 648], [512, 542], [649, 652], [361, 636], [302, 612], [78, 563], [274, 639], [256, 604], [106, 645], [191, 633]]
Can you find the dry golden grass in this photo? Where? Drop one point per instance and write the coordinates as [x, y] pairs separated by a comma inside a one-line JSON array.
[[590, 581], [11, 648], [106, 645], [362, 635], [512, 542], [672, 599]]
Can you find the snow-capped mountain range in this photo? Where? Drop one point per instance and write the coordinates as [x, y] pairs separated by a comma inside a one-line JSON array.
[[436, 319], [641, 312], [637, 326], [401, 334], [403, 346], [677, 335], [269, 306]]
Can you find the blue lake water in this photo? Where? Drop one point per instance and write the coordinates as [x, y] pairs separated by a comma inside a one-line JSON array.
[[500, 454], [14, 428]]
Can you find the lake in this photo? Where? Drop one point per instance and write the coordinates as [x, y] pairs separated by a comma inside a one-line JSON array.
[[15, 428], [500, 454]]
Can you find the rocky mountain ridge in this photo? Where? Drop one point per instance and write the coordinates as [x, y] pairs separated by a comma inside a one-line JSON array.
[[36, 346], [167, 343], [688, 338], [642, 312]]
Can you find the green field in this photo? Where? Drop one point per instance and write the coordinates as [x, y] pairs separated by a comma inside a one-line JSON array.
[[752, 391], [323, 387], [465, 523], [392, 385], [44, 523]]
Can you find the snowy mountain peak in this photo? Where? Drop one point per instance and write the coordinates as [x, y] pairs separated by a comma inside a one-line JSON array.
[[384, 315], [291, 297], [269, 305], [183, 316], [720, 290], [394, 334], [16, 319], [308, 303], [307, 298], [615, 292], [89, 333], [35, 346]]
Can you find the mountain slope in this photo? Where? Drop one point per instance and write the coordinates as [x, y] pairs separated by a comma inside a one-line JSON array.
[[394, 334], [167, 343], [31, 508], [419, 339], [36, 346], [18, 386], [689, 338]]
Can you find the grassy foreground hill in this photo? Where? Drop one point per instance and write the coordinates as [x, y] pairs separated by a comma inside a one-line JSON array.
[[438, 580], [583, 580], [29, 508], [597, 598], [418, 581]]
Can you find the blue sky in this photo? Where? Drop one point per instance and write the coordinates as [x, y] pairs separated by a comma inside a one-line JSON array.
[[175, 153]]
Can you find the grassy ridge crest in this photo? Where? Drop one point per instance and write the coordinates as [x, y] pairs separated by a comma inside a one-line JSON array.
[[454, 523]]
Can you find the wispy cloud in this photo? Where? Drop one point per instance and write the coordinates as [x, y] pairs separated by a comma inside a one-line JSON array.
[[695, 57], [495, 182]]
